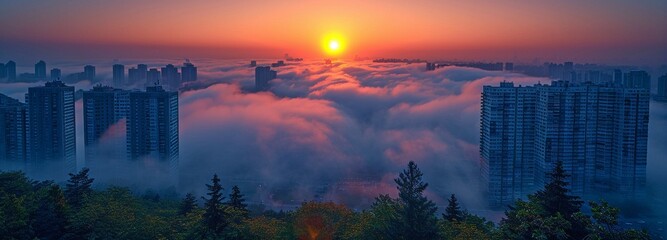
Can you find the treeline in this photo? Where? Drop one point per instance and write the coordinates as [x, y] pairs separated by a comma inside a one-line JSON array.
[[44, 210]]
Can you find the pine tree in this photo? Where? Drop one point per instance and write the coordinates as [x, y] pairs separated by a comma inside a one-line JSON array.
[[188, 204], [214, 219], [417, 215], [555, 199], [78, 187], [453, 210], [236, 200], [50, 219]]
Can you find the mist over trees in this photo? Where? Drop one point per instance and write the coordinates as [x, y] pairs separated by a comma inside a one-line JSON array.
[[43, 210]]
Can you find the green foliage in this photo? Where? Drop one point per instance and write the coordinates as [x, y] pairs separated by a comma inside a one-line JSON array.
[[605, 225], [453, 210], [78, 187], [237, 201], [383, 215], [416, 216], [49, 220], [526, 221], [188, 204], [328, 220], [215, 219], [14, 221], [42, 210]]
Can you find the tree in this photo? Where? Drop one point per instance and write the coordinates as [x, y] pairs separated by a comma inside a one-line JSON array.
[[188, 204], [50, 219], [328, 220], [417, 214], [525, 221], [555, 199], [453, 211], [236, 201], [606, 224], [384, 215], [215, 219], [78, 187]]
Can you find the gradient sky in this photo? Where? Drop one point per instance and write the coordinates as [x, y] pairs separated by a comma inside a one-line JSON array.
[[595, 30]]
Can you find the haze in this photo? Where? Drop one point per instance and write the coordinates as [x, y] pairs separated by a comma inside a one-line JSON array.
[[619, 32]]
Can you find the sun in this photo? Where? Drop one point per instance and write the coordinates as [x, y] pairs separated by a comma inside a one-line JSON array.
[[333, 44]]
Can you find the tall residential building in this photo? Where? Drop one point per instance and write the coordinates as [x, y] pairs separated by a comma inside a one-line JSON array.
[[40, 70], [262, 77], [12, 134], [11, 70], [118, 75], [103, 108], [143, 72], [153, 77], [55, 74], [662, 88], [170, 76], [133, 75], [152, 126], [637, 79], [89, 72], [3, 71], [188, 72], [51, 130], [507, 135], [599, 132]]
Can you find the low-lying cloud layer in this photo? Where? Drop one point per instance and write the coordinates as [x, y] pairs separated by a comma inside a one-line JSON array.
[[337, 132]]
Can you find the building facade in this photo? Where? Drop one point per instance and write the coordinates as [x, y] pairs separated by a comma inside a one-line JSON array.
[[599, 132], [12, 134], [51, 128], [118, 75], [188, 72], [152, 126], [103, 109], [262, 77]]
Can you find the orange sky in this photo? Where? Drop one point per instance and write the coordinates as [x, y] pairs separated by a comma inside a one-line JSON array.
[[420, 28]]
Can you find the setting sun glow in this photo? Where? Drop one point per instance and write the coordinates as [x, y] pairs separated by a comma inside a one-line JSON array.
[[333, 44]]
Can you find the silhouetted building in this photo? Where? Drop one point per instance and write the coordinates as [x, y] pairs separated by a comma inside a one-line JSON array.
[[118, 75], [152, 126], [89, 72], [55, 74], [133, 75], [170, 76], [188, 72], [618, 76], [662, 88], [509, 67], [3, 71], [278, 64], [599, 132], [262, 77], [637, 79], [12, 134], [430, 66], [40, 70], [153, 77], [11, 70], [104, 107], [51, 130], [143, 71], [253, 63]]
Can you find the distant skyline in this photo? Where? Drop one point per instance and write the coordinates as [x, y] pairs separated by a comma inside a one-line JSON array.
[[618, 32]]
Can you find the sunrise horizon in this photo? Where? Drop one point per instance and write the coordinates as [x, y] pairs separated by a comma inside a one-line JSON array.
[[337, 119]]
